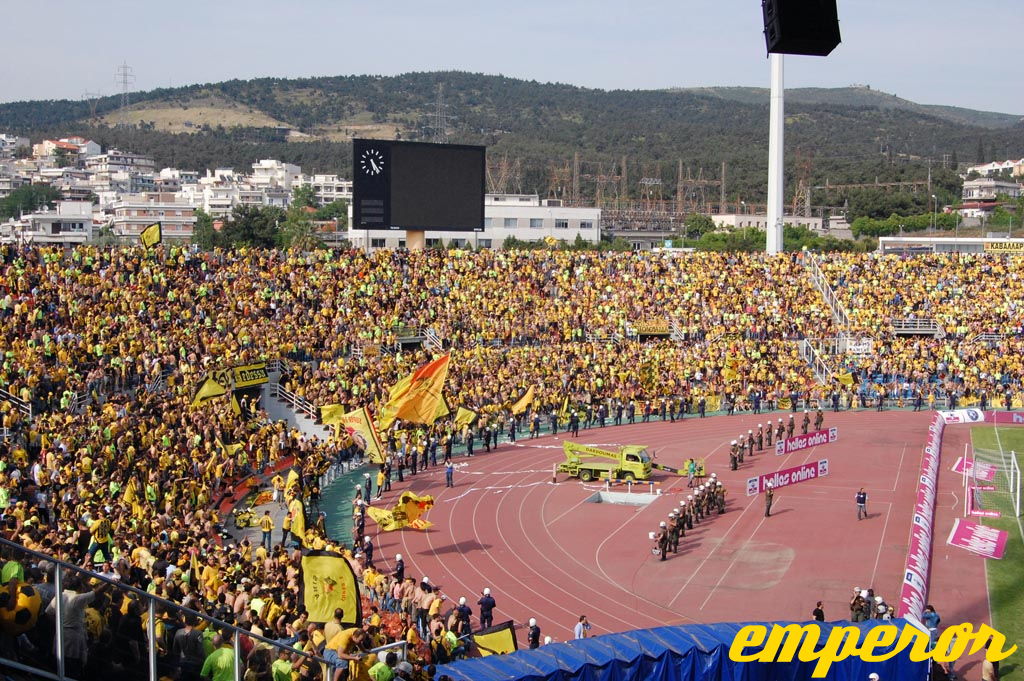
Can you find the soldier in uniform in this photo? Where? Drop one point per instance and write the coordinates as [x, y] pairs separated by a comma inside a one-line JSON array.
[[733, 456], [790, 426], [780, 430], [750, 442], [743, 447], [805, 423], [673, 532], [662, 539], [760, 438], [819, 419], [768, 435], [574, 423], [720, 498], [688, 509], [769, 498], [702, 405]]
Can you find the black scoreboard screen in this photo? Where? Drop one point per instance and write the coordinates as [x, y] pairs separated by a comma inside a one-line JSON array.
[[417, 186]]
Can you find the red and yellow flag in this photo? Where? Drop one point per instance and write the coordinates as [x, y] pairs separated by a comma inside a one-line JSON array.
[[417, 397]]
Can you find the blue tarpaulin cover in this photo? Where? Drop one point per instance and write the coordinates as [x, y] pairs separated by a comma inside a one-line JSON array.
[[693, 652]]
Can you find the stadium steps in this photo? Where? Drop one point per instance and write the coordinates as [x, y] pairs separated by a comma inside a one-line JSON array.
[[282, 405]]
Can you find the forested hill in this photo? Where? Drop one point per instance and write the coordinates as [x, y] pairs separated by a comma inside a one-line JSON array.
[[310, 120]]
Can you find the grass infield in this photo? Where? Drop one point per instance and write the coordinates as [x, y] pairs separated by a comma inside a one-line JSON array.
[[994, 444]]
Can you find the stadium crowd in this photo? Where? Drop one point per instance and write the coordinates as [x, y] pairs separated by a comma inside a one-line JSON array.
[[117, 472]]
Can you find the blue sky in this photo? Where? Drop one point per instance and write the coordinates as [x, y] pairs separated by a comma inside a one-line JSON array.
[[930, 51]]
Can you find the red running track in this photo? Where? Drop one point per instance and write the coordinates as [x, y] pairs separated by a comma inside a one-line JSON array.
[[547, 553]]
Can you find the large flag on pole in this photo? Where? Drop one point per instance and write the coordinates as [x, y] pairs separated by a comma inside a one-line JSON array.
[[357, 425], [496, 640], [152, 235], [328, 582], [520, 405], [416, 397]]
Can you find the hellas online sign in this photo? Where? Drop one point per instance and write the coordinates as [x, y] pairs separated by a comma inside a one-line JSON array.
[[795, 641]]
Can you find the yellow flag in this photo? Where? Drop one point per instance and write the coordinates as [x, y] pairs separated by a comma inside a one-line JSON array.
[[729, 374], [464, 417], [496, 640], [563, 413], [152, 235], [415, 398], [713, 402], [442, 409], [846, 378], [328, 583], [298, 512], [331, 414], [785, 403], [407, 512], [359, 426], [208, 390], [523, 402]]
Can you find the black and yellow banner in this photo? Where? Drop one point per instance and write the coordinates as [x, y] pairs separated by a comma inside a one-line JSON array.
[[1004, 246], [497, 640], [328, 582], [152, 235], [407, 512], [208, 389], [248, 375]]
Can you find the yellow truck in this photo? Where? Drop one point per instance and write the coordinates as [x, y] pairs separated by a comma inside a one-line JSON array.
[[629, 462]]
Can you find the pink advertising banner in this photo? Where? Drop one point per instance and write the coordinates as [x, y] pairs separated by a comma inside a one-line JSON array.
[[812, 439], [1007, 417], [986, 471], [914, 592], [976, 538], [788, 476]]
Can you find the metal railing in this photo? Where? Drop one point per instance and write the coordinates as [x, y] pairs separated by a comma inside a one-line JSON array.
[[298, 404], [987, 338], [839, 314], [21, 405], [912, 326], [676, 331], [433, 341], [61, 570], [822, 370]]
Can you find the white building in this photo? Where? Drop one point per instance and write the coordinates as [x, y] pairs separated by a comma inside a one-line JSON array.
[[1016, 167], [744, 220], [119, 161], [328, 188], [522, 216], [270, 172], [10, 144], [70, 223], [987, 189], [133, 213]]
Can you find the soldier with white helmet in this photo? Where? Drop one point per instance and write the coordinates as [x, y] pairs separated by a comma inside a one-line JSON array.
[[733, 456], [805, 423], [673, 531], [769, 498], [720, 497], [768, 435], [743, 446], [533, 634], [780, 430], [760, 437], [462, 613], [750, 442], [662, 539], [487, 606]]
